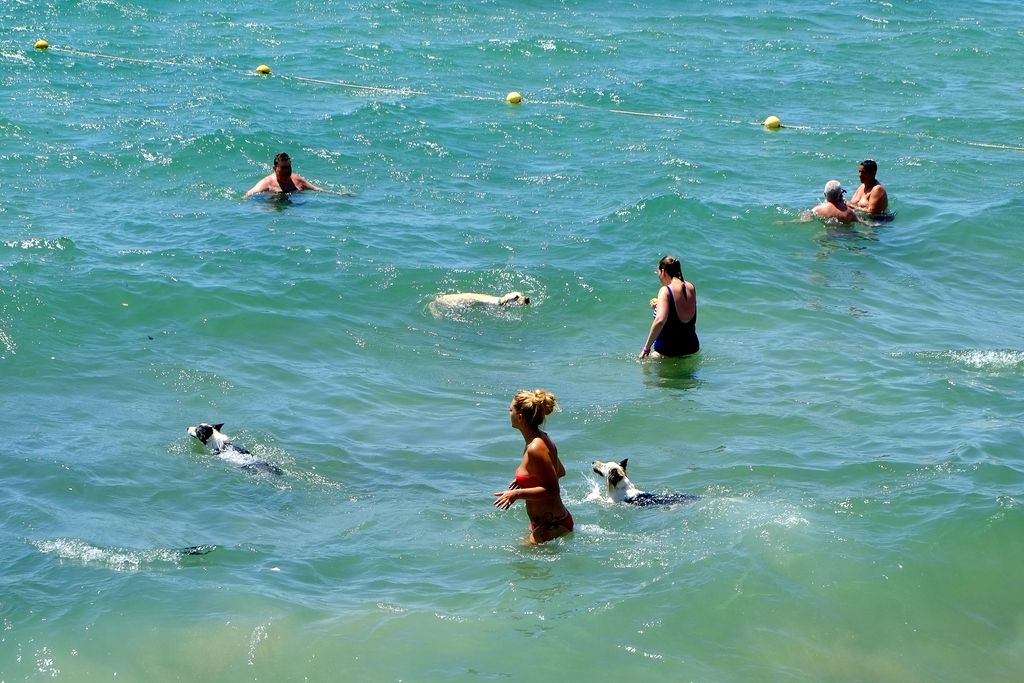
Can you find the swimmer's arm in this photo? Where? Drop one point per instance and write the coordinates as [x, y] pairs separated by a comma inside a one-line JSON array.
[[340, 193], [857, 200], [875, 201], [539, 462], [304, 184], [539, 458], [659, 322], [805, 216], [503, 499], [261, 186]]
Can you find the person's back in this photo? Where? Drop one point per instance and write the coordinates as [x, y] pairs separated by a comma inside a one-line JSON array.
[[834, 208], [674, 328], [678, 337]]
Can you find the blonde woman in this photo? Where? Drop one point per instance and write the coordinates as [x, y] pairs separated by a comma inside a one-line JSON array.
[[537, 476]]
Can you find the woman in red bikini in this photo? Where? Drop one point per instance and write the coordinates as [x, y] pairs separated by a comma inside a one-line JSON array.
[[537, 476]]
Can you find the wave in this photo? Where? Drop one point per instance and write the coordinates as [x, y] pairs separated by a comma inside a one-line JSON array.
[[39, 244], [118, 559], [978, 359]]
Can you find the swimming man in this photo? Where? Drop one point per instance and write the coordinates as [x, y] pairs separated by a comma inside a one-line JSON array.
[[835, 207], [870, 197], [282, 179]]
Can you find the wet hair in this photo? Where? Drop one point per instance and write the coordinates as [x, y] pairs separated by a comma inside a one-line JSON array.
[[282, 159], [870, 166], [534, 405], [834, 190], [672, 266]]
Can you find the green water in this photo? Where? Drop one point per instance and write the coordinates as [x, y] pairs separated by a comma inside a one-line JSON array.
[[851, 425]]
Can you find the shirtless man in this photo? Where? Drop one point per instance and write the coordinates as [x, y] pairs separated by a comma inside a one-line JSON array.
[[282, 179], [834, 207], [870, 197]]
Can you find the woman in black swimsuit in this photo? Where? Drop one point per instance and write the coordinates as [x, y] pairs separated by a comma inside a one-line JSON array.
[[674, 330]]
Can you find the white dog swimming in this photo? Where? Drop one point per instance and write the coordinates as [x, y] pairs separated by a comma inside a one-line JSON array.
[[622, 490], [462, 299], [211, 436]]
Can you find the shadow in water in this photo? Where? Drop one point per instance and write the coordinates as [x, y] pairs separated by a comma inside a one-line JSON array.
[[673, 373]]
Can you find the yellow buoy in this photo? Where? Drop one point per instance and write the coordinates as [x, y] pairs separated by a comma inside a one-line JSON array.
[[263, 69], [513, 98], [42, 44], [772, 123]]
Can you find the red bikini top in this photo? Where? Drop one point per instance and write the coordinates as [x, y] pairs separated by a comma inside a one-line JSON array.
[[527, 481]]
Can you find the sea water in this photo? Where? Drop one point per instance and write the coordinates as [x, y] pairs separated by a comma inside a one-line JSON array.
[[852, 425]]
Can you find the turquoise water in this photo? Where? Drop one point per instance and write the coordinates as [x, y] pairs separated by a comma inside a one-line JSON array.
[[852, 425]]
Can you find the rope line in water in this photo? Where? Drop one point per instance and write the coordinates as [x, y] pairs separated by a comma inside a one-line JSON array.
[[137, 60], [917, 135], [355, 86], [43, 45], [642, 113], [939, 138], [989, 145]]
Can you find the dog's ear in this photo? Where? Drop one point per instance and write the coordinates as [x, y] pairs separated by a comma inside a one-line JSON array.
[[622, 463], [526, 300], [219, 427]]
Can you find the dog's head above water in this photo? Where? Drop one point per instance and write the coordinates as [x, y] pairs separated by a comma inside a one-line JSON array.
[[614, 472], [622, 490], [204, 431], [513, 298]]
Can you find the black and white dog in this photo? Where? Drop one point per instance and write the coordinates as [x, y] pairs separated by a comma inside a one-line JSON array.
[[211, 436], [622, 490]]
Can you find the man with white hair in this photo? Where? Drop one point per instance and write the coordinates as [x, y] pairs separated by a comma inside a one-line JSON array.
[[835, 208]]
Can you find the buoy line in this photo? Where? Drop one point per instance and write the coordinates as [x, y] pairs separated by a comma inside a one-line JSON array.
[[355, 86], [650, 114], [776, 124], [988, 145], [138, 60], [514, 98]]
